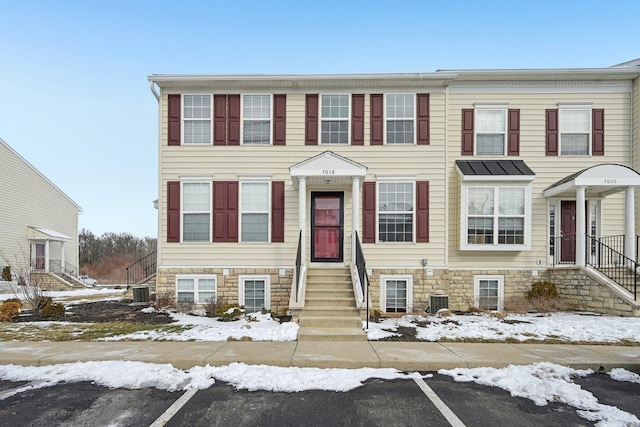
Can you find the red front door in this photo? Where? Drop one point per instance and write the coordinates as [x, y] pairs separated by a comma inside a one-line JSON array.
[[568, 231], [326, 226]]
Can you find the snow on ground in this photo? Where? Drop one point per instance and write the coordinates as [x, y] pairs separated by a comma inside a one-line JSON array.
[[257, 326], [137, 375], [7, 292], [569, 327], [546, 382]]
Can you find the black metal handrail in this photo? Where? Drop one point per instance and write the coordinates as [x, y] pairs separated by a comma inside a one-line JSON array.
[[613, 264], [142, 269], [361, 265], [55, 266], [298, 264]]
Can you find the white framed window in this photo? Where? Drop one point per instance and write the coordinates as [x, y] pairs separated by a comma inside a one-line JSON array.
[[575, 130], [196, 119], [196, 211], [400, 115], [200, 289], [256, 119], [254, 293], [254, 211], [496, 216], [334, 118], [490, 131], [396, 293], [396, 213], [488, 292]]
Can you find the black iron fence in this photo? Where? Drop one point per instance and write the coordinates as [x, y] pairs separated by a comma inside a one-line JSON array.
[[613, 264], [361, 266], [143, 269]]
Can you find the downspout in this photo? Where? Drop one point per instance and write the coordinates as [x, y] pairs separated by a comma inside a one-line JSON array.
[[446, 174], [153, 90]]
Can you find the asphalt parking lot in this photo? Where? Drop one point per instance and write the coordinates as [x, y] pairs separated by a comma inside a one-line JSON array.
[[377, 403]]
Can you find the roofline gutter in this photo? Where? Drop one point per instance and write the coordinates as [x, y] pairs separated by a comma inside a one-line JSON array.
[[152, 84]]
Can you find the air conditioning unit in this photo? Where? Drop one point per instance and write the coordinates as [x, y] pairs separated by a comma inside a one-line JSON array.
[[141, 294], [437, 302]]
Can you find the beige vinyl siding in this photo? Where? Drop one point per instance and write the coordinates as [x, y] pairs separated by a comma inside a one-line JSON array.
[[31, 200], [548, 169], [426, 162]]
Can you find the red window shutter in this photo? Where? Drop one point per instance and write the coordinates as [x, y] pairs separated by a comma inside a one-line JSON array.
[[597, 132], [513, 137], [219, 210], [174, 119], [552, 132], [173, 211], [279, 119], [234, 120], [311, 120], [232, 212], [357, 119], [377, 119], [277, 211], [220, 120], [369, 212], [423, 118], [467, 132], [422, 211]]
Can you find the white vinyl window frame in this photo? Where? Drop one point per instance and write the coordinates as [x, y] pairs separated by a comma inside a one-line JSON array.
[[248, 118], [380, 212], [388, 118], [188, 117], [570, 125], [242, 297], [484, 283], [199, 285], [265, 211], [184, 184], [331, 118], [385, 278], [465, 245], [484, 126]]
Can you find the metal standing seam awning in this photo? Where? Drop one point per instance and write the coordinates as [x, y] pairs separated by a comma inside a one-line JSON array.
[[51, 235]]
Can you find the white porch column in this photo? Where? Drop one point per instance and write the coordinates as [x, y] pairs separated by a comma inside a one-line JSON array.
[[46, 256], [630, 226], [62, 259], [302, 214], [580, 227], [355, 214]]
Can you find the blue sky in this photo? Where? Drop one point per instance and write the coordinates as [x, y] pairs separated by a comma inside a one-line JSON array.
[[76, 103]]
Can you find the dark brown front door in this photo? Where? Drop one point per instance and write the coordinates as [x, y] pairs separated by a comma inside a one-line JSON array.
[[568, 231], [40, 258], [326, 226]]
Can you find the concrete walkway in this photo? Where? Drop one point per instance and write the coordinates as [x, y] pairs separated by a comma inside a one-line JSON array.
[[405, 356]]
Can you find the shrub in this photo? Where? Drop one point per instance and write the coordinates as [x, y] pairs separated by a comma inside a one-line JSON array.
[[41, 302], [14, 300], [185, 306], [228, 312], [9, 310], [542, 290], [54, 309], [164, 300], [211, 306], [6, 273]]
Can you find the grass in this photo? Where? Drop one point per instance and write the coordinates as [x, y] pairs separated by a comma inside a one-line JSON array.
[[65, 331]]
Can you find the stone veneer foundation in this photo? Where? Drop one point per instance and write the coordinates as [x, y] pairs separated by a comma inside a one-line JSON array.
[[227, 285]]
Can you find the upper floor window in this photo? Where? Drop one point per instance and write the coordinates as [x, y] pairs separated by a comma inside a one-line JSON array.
[[334, 119], [196, 211], [575, 129], [256, 119], [395, 211], [491, 126], [196, 116], [255, 208], [400, 117]]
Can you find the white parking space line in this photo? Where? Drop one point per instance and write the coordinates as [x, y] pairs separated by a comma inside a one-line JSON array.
[[442, 407], [173, 409]]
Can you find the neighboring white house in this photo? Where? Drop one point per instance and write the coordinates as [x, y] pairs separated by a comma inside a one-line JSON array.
[[38, 222], [463, 186]]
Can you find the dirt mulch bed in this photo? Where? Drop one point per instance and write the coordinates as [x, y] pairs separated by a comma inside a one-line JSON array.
[[103, 311]]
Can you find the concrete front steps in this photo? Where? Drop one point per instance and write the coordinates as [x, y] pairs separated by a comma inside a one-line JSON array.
[[330, 312]]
